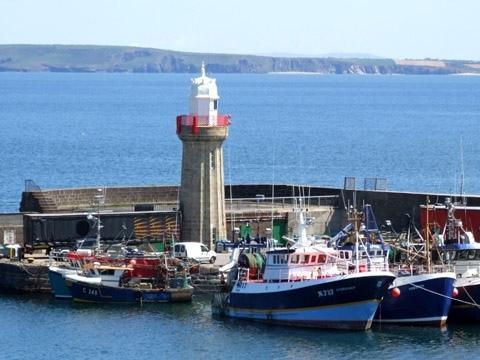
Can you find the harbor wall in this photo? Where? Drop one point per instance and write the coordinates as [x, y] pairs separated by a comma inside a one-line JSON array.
[[78, 199], [387, 205]]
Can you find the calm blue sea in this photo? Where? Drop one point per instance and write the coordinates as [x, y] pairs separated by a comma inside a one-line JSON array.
[[43, 329], [68, 130]]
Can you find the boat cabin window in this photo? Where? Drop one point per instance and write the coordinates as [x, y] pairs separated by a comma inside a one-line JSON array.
[[305, 259], [464, 255], [279, 259], [107, 272], [322, 258], [294, 259], [313, 259]]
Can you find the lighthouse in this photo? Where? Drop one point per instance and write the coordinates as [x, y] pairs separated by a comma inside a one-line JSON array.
[[202, 190]]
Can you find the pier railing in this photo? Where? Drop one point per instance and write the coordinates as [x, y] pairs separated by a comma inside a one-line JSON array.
[[302, 273], [261, 204], [286, 202], [422, 269]]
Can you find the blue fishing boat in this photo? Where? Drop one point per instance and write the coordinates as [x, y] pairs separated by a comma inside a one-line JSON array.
[[56, 276], [423, 299], [112, 287], [420, 295], [306, 285], [457, 247]]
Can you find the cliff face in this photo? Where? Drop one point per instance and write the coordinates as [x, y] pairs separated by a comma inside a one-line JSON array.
[[84, 58]]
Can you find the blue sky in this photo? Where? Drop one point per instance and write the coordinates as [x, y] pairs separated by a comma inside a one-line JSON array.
[[406, 28]]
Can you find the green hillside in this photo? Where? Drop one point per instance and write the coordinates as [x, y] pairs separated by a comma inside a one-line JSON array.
[[89, 58]]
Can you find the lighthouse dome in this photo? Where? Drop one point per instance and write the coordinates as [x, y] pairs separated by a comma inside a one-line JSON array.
[[204, 97], [204, 87]]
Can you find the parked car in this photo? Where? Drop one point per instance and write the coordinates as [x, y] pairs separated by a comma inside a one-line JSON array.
[[194, 250]]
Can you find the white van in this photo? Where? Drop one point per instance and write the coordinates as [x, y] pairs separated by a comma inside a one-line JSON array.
[[194, 250]]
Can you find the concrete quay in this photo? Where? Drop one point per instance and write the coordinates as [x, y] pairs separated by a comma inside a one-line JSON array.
[[24, 276]]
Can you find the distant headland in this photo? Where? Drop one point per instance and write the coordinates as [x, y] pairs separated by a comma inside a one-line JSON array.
[[93, 58]]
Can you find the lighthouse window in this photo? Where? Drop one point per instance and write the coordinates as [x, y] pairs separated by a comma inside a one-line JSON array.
[[215, 104]]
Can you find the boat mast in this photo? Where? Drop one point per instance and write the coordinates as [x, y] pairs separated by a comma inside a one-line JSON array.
[[427, 236], [462, 174], [355, 218], [100, 199]]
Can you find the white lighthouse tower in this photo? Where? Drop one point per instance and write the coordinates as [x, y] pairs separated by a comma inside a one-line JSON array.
[[202, 190]]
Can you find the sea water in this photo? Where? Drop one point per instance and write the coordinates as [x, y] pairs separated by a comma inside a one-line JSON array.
[[40, 328], [75, 130], [68, 130]]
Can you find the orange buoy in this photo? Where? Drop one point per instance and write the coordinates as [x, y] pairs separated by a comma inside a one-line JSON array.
[[455, 292], [395, 292]]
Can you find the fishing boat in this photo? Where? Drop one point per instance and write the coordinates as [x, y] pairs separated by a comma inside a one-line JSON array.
[[113, 284], [419, 295], [91, 251], [457, 246], [306, 285], [74, 263]]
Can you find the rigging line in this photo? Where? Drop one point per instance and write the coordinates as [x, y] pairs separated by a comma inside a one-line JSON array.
[[448, 297], [232, 214], [466, 292], [462, 173], [273, 188]]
